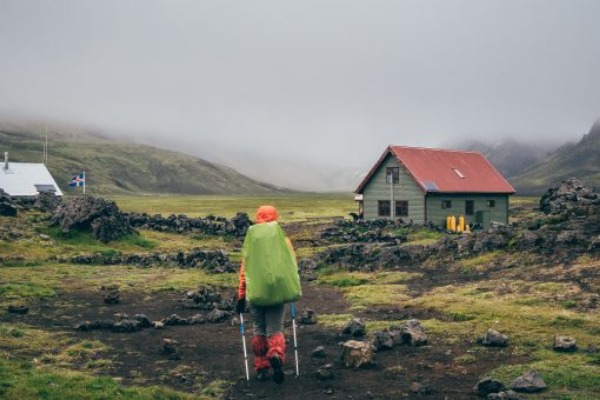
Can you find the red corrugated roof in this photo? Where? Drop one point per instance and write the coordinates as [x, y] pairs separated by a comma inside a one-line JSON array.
[[446, 171]]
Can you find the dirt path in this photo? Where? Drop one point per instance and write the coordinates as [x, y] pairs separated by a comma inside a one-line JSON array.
[[213, 351]]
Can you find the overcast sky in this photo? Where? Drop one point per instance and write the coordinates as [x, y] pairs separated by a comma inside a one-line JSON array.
[[258, 83]]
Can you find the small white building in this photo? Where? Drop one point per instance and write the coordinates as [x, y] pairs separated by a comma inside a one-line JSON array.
[[19, 179]]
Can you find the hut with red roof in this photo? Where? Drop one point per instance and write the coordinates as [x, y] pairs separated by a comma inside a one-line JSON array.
[[427, 185]]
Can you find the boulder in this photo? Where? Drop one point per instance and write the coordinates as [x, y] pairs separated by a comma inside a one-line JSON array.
[[319, 352], [126, 326], [564, 343], [488, 385], [355, 328], [7, 208], [175, 320], [529, 382], [325, 372], [307, 317], [217, 316], [356, 354], [143, 320], [18, 309], [493, 338], [382, 340], [507, 395], [412, 332]]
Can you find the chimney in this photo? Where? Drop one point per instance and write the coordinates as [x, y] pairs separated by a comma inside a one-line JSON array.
[[6, 160]]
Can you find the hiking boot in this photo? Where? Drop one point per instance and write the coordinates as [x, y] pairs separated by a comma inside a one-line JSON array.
[[278, 375], [262, 375]]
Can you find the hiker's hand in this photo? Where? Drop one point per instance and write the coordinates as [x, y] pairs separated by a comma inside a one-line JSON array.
[[240, 307]]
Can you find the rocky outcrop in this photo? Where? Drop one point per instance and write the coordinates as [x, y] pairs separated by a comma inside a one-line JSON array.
[[92, 214], [211, 225], [570, 196]]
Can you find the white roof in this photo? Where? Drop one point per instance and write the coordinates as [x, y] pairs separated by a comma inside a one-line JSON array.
[[20, 178]]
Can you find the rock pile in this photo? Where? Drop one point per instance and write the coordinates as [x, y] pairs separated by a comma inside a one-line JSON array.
[[211, 225], [123, 323], [411, 332], [216, 261], [102, 217], [369, 231], [207, 298], [570, 196]]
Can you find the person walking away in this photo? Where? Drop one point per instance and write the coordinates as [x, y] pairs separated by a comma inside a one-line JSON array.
[[268, 279]]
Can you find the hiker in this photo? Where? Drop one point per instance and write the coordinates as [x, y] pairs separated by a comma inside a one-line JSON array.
[[268, 279]]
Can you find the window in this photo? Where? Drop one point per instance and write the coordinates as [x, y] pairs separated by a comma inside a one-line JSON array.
[[402, 208], [469, 207], [395, 174], [446, 204], [491, 203], [384, 208]]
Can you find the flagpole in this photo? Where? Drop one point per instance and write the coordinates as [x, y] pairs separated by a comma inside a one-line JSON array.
[[84, 182]]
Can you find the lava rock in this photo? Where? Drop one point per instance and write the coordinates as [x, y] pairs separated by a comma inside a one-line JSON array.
[[413, 333], [197, 319], [529, 382], [488, 385], [308, 317], [325, 372], [175, 320], [170, 346], [126, 326], [493, 338], [18, 309], [565, 344], [507, 395], [382, 340], [143, 320], [319, 352], [356, 354], [217, 316], [355, 328], [92, 214]]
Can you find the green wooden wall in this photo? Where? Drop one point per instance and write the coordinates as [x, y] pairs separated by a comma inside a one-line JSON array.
[[408, 190], [437, 215]]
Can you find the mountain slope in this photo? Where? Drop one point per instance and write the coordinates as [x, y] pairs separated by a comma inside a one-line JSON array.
[[117, 167], [510, 157], [580, 160]]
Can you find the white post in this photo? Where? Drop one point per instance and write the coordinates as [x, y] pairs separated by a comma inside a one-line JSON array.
[[392, 196], [84, 182]]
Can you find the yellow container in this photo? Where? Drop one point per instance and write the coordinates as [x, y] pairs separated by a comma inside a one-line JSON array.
[[461, 224], [452, 223], [448, 222]]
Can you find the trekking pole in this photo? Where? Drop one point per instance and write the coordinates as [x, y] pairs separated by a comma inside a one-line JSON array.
[[243, 330], [295, 340]]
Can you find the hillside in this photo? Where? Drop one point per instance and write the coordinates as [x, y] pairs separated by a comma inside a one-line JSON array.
[[510, 157], [581, 160], [118, 167]]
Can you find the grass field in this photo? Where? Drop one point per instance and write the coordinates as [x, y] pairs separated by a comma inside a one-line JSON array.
[[292, 207], [535, 308]]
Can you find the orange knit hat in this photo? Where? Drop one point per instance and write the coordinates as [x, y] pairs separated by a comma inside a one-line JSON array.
[[266, 214]]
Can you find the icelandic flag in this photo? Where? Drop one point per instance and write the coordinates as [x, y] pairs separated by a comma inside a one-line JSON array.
[[77, 180]]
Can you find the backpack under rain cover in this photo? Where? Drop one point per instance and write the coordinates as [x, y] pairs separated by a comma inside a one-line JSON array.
[[270, 264]]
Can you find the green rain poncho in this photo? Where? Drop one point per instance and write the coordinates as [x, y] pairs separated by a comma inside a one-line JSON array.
[[270, 266]]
